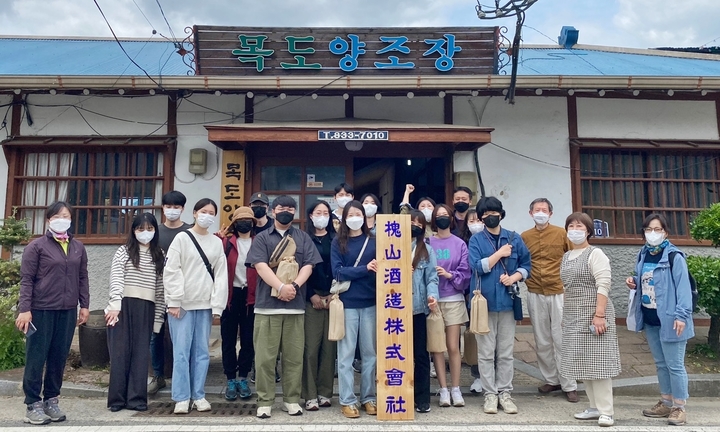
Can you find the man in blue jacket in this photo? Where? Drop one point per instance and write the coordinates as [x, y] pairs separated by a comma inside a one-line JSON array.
[[500, 259]]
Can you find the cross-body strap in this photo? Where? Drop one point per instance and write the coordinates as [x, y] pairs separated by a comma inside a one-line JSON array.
[[357, 261], [204, 257]]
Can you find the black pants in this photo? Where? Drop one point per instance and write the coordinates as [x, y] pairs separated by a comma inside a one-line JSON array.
[[129, 346], [47, 348], [422, 359], [237, 315]]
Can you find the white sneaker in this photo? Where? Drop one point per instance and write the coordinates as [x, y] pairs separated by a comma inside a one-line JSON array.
[[264, 412], [433, 374], [605, 421], [444, 397], [507, 403], [182, 407], [292, 408], [476, 386], [457, 398], [588, 414], [491, 404], [202, 405]]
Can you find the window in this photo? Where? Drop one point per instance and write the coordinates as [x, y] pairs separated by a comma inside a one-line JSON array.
[[621, 186]]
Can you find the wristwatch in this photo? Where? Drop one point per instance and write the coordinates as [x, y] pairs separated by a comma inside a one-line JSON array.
[[296, 286]]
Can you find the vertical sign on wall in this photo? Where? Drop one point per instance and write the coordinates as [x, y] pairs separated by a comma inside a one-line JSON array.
[[233, 184], [395, 365]]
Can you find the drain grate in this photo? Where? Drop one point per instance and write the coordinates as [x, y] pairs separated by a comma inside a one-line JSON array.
[[219, 409]]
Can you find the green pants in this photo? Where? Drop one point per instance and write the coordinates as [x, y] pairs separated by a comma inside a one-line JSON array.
[[274, 334], [320, 354]]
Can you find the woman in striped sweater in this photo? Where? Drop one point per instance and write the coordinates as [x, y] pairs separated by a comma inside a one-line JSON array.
[[134, 312]]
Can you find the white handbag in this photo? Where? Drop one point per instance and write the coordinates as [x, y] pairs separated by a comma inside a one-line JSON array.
[[338, 287]]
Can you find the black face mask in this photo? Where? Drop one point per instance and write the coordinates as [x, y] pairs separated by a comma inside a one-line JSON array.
[[442, 222], [417, 231], [461, 207], [491, 221], [284, 217], [259, 211], [243, 227]]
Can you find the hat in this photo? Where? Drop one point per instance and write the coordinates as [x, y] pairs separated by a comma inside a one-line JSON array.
[[243, 213], [259, 196]]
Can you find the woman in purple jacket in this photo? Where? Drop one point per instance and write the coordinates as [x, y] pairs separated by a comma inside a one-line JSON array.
[[54, 281]]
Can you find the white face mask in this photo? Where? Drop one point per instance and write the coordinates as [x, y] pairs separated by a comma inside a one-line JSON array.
[[204, 220], [342, 201], [172, 214], [541, 218], [578, 237], [370, 209], [654, 238], [60, 225], [476, 227], [144, 237], [428, 213], [320, 222], [355, 222]]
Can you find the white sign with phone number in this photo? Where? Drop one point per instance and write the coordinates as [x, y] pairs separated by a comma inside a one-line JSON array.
[[333, 135]]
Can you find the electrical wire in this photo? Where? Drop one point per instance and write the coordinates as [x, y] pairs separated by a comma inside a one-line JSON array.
[[144, 16], [569, 50], [172, 33]]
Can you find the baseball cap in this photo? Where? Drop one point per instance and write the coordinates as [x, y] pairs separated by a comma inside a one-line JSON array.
[[259, 197]]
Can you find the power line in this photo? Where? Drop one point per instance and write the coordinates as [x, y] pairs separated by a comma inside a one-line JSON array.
[[172, 33], [569, 50], [146, 18]]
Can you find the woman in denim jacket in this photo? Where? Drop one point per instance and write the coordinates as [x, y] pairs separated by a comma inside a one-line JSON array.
[[663, 308], [424, 296]]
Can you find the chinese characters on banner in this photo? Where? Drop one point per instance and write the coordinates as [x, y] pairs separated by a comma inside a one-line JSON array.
[[233, 184], [395, 377]]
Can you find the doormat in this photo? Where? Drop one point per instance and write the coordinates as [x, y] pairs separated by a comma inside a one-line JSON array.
[[219, 409]]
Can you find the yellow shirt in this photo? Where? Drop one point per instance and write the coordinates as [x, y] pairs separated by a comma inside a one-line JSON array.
[[63, 243], [547, 248]]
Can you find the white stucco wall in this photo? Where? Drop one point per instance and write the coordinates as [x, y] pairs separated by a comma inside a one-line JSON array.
[[401, 109], [298, 108], [4, 100]]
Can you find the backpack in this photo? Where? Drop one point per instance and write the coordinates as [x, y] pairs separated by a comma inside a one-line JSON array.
[[693, 284]]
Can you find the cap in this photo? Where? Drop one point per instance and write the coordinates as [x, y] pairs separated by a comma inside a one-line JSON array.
[[243, 213], [259, 196]]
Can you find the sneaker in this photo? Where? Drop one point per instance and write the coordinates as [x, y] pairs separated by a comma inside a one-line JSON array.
[[349, 411], [370, 407], [491, 404], [231, 390], [423, 407], [243, 388], [156, 384], [202, 405], [324, 402], [251, 377], [182, 407], [277, 375], [658, 411], [588, 414], [312, 405], [36, 415], [476, 386], [357, 366], [677, 416], [53, 411], [474, 371], [506, 401], [264, 412], [605, 421], [457, 398], [292, 408], [444, 397], [433, 373]]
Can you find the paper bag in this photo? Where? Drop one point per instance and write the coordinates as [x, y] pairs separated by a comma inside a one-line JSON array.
[[336, 330], [478, 314], [436, 332], [287, 271], [470, 355]]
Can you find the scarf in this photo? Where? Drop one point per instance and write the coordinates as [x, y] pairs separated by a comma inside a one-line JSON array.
[[654, 250]]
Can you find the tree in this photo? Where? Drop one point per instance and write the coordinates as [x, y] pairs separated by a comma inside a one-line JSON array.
[[706, 270]]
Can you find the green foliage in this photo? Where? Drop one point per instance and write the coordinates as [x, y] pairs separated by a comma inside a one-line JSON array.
[[706, 226], [12, 343], [13, 230], [706, 271], [9, 274], [703, 350]]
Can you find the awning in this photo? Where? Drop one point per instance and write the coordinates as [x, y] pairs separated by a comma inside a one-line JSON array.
[[42, 143]]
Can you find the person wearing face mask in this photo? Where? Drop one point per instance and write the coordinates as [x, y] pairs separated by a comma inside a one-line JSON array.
[[664, 311], [135, 310], [371, 204], [238, 316], [472, 226], [320, 352], [196, 290], [54, 281], [462, 198], [259, 203], [500, 259], [547, 244], [590, 347], [343, 195], [426, 205], [280, 318]]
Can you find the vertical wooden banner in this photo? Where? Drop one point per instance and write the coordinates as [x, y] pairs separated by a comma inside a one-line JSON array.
[[233, 184], [395, 365]]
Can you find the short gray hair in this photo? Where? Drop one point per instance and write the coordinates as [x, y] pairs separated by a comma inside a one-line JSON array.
[[541, 200]]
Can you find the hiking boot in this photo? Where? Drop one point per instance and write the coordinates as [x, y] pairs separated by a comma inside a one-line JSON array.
[[476, 386], [156, 384], [677, 416], [231, 390], [457, 398], [243, 388], [444, 397], [36, 415], [506, 401], [659, 410], [53, 411], [491, 404]]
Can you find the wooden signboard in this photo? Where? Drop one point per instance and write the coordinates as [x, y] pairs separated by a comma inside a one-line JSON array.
[[395, 365], [233, 184], [339, 51]]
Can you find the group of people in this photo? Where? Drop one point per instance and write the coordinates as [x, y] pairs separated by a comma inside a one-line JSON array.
[[271, 284]]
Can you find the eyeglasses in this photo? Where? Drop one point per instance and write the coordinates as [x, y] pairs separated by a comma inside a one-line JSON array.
[[657, 230]]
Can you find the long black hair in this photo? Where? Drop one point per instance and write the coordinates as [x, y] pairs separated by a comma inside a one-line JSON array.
[[133, 246], [310, 227], [375, 199], [421, 252], [465, 232], [344, 232]]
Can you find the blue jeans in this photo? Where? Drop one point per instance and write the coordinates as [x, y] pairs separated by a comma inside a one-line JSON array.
[[670, 363], [359, 324], [191, 355]]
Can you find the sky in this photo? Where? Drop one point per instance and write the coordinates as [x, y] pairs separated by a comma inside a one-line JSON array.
[[624, 23]]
